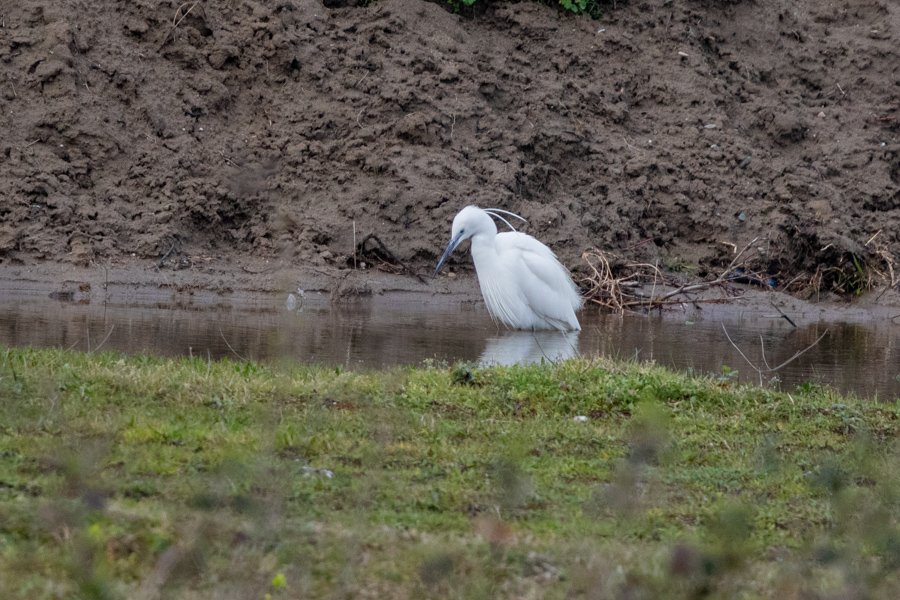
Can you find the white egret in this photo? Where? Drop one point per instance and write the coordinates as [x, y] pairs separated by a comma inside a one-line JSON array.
[[523, 283]]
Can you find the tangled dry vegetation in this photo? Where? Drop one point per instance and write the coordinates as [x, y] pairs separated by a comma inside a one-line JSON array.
[[620, 285], [624, 288]]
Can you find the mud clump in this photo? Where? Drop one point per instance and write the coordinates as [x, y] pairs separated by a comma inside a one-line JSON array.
[[661, 132]]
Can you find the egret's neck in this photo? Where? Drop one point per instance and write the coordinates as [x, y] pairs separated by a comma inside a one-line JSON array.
[[484, 250]]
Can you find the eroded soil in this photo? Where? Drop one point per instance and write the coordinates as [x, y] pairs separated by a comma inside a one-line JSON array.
[[239, 132]]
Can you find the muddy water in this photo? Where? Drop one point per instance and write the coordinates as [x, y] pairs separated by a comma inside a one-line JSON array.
[[406, 329]]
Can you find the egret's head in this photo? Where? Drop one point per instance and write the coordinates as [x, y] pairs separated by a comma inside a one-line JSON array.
[[468, 222], [471, 221]]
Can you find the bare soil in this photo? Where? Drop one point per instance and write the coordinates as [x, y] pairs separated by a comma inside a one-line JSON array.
[[211, 142]]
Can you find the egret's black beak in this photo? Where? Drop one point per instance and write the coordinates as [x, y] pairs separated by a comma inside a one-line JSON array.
[[450, 248]]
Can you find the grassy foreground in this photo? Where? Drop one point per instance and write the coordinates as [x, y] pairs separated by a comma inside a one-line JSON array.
[[138, 477]]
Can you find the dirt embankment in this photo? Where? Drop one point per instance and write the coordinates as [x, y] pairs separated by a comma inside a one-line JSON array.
[[285, 130]]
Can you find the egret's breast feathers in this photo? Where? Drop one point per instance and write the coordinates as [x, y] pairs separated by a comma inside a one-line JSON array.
[[501, 301]]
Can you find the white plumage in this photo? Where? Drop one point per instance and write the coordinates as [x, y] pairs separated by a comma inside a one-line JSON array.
[[523, 284]]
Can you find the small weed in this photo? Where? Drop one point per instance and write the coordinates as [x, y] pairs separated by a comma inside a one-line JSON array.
[[463, 373], [809, 386], [679, 265], [728, 374], [458, 5], [591, 8]]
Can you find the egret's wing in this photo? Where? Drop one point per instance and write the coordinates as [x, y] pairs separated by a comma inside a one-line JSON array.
[[555, 296], [542, 262], [543, 282]]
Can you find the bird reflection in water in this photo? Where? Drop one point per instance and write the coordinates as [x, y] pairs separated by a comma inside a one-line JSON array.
[[526, 347]]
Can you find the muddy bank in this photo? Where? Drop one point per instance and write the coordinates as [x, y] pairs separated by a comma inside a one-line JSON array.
[[286, 132]]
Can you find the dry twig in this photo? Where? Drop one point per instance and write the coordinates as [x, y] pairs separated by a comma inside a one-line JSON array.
[[769, 369], [229, 346], [177, 21], [784, 316], [162, 261]]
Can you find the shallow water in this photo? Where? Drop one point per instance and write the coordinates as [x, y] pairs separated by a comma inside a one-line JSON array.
[[405, 329]]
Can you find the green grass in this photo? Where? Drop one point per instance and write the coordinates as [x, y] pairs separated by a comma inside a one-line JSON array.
[[141, 477]]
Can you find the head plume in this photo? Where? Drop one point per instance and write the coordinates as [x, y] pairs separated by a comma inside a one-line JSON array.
[[494, 212]]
